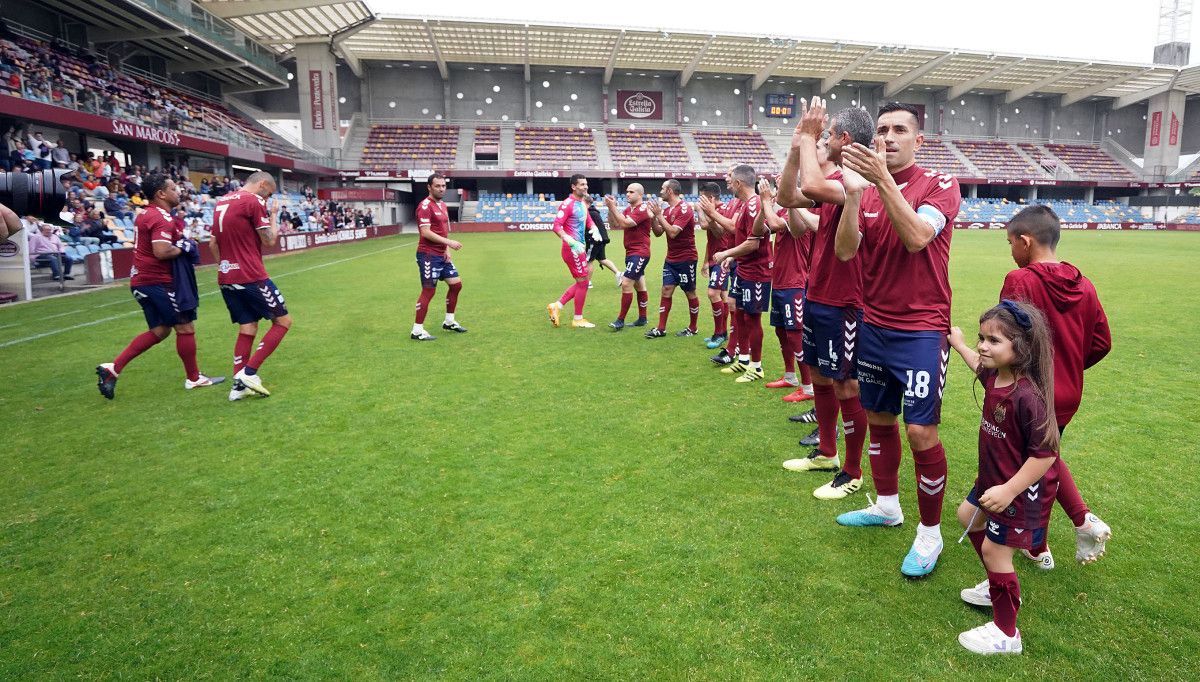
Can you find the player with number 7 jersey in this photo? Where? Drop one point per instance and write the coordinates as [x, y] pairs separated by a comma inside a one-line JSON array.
[[242, 225]]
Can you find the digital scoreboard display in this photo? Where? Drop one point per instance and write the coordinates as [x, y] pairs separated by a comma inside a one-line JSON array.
[[780, 106]]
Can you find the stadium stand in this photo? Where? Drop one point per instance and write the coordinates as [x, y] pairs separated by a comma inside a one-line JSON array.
[[721, 148], [58, 74], [647, 149], [390, 147], [1002, 210], [935, 155], [1089, 162], [998, 159], [487, 135], [538, 147]]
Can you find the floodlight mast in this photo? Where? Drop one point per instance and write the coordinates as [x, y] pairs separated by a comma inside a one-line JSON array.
[[1174, 33]]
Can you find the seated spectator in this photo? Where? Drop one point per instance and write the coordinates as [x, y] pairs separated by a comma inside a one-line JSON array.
[[46, 249], [297, 221], [116, 205], [138, 200], [93, 226], [204, 186]]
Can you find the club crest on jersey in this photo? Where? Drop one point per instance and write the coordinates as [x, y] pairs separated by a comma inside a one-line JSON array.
[[998, 414]]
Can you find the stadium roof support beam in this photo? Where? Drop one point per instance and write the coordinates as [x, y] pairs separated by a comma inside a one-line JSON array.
[[830, 81], [1014, 95], [203, 65], [339, 39], [896, 85], [437, 53], [1074, 96], [1134, 98], [233, 10], [528, 74], [101, 36], [612, 58], [686, 74], [967, 86], [762, 76]]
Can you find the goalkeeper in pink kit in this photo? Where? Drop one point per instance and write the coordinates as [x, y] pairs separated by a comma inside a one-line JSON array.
[[572, 225]]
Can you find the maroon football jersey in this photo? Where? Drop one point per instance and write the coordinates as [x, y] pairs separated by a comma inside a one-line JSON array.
[[236, 221], [1072, 309], [725, 241], [682, 247], [901, 290], [789, 269], [153, 225], [637, 238], [756, 265], [432, 214], [1011, 431], [832, 281]]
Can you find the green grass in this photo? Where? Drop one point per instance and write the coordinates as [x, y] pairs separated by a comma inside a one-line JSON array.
[[457, 509]]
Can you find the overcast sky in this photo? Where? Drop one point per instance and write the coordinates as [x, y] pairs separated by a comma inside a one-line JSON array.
[[1055, 28]]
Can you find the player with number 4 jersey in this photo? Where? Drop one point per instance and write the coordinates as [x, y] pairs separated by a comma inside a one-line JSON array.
[[242, 224]]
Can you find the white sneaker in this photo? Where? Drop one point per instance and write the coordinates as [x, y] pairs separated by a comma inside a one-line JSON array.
[[923, 557], [988, 639], [980, 595], [252, 382], [1045, 560], [238, 391], [1090, 539], [202, 381]]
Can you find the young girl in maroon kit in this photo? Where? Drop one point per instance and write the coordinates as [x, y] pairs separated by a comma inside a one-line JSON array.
[[1009, 506]]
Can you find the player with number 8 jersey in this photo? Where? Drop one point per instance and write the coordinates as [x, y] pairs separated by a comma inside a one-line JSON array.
[[242, 225]]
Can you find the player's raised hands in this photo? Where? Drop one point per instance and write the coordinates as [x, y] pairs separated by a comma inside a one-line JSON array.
[[852, 181], [706, 204], [655, 208], [871, 164], [610, 200], [812, 120]]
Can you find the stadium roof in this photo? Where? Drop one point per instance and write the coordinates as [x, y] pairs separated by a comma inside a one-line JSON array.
[[896, 67], [281, 24]]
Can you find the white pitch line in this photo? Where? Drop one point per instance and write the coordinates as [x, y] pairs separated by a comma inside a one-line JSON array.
[[102, 320]]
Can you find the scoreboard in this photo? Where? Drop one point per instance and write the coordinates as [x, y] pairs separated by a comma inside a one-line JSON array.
[[780, 105]]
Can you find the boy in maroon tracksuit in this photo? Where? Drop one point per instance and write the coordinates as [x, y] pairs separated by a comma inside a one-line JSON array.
[[1081, 338]]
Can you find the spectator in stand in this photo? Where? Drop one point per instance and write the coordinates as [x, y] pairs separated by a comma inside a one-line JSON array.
[[60, 155], [297, 221], [22, 158], [7, 145], [217, 189], [41, 148], [93, 226], [101, 192], [369, 219], [116, 204], [204, 186], [46, 248], [138, 201], [315, 222]]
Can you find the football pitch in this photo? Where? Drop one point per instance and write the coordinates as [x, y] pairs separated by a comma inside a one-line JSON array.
[[538, 503]]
